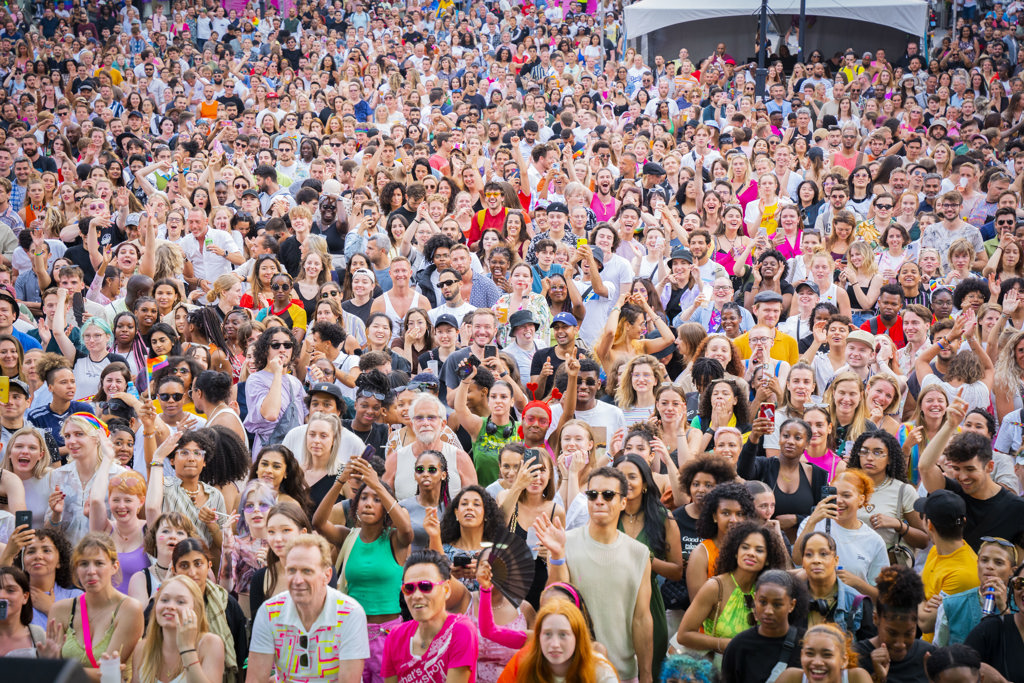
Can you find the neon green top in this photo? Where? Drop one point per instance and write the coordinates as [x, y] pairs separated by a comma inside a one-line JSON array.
[[734, 616]]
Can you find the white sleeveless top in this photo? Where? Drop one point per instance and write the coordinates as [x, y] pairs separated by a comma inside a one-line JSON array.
[[418, 301], [405, 480]]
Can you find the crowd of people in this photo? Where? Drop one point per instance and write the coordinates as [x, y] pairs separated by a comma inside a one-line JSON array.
[[437, 343]]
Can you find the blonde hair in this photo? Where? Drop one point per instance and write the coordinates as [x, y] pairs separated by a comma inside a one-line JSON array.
[[300, 212], [336, 427], [311, 541], [152, 645], [869, 265], [42, 466], [625, 395], [222, 284]]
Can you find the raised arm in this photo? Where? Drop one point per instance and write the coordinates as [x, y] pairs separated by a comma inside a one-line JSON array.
[[155, 483], [928, 464], [467, 418], [67, 347]]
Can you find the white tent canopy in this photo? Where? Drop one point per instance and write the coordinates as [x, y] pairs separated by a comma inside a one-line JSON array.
[[836, 25]]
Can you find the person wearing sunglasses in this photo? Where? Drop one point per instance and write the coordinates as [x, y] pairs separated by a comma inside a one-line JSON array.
[[281, 640], [598, 555], [245, 549], [285, 305], [274, 397], [449, 642]]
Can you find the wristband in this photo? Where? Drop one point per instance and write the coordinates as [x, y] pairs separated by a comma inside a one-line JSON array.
[[185, 652], [557, 563]]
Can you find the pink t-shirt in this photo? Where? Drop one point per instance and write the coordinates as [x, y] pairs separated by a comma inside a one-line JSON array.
[[455, 646]]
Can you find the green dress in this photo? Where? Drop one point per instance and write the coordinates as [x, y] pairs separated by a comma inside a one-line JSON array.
[[657, 608], [486, 448]]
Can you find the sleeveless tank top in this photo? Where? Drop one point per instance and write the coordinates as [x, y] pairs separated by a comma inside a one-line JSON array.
[[74, 648], [732, 619], [373, 576], [131, 562], [405, 481], [418, 301]]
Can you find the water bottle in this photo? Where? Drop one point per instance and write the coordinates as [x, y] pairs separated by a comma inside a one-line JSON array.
[[132, 390], [988, 607]]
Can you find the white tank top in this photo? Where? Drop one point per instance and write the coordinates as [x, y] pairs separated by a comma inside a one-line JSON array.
[[405, 480], [418, 301]]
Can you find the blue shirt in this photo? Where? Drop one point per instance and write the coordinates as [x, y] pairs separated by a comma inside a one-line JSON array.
[[44, 418]]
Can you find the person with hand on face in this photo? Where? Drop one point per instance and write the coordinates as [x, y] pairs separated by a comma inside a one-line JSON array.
[[312, 631], [278, 395], [179, 642]]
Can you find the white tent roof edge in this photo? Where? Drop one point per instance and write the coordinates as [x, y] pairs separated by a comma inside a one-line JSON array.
[[648, 16]]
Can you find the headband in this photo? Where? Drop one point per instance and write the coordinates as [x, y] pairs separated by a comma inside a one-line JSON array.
[[94, 421], [570, 590]]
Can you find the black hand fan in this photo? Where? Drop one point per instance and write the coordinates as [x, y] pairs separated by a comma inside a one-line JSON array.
[[512, 566]]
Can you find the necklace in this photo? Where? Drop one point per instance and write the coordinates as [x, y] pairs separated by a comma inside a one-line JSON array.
[[192, 495], [633, 518]]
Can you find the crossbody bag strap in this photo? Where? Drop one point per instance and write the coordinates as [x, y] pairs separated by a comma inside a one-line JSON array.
[[87, 634]]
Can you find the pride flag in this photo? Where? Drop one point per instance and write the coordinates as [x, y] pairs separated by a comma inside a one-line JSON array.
[[154, 364]]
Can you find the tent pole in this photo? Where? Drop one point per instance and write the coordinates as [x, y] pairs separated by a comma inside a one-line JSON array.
[[762, 52], [803, 26]]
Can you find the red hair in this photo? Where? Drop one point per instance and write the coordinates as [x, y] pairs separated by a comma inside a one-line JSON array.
[[534, 668]]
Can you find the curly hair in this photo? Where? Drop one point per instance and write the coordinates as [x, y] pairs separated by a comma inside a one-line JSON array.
[[262, 350], [895, 467], [229, 461], [735, 366], [494, 519], [727, 553], [385, 520], [740, 411], [687, 668], [294, 482], [63, 546], [900, 591], [706, 525], [718, 467]]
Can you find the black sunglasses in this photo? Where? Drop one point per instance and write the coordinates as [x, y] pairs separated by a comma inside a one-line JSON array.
[[170, 397], [331, 294], [417, 386], [447, 283], [279, 345], [431, 469], [280, 288], [608, 495], [370, 394]]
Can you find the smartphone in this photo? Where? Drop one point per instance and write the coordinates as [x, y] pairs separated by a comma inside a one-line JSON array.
[[367, 213], [490, 351], [827, 491], [766, 411], [367, 452], [23, 517], [532, 455], [461, 561], [581, 242], [3, 608]]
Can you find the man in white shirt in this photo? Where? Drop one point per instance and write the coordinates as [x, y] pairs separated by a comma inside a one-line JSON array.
[[598, 294], [212, 252]]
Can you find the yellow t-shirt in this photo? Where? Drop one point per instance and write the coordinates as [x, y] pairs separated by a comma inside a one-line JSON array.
[[949, 574], [785, 347]]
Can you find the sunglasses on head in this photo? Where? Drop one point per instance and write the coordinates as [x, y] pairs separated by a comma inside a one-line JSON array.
[[431, 469], [365, 393], [170, 397], [425, 587], [417, 386], [608, 495], [279, 345]]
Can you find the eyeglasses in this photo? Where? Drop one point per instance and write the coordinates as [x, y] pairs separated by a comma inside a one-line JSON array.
[[425, 587], [608, 495], [280, 288], [282, 345], [425, 418], [447, 283], [759, 340], [876, 452], [430, 469], [170, 397], [332, 294], [189, 453], [251, 507]]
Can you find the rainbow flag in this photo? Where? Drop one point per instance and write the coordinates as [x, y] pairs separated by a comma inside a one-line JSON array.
[[154, 364]]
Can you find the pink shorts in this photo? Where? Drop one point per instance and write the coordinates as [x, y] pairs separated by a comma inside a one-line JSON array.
[[377, 634]]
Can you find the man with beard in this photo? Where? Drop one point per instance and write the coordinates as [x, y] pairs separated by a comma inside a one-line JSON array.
[[888, 321], [451, 289], [940, 332], [427, 416], [700, 247], [478, 289], [602, 202], [481, 334], [951, 228]]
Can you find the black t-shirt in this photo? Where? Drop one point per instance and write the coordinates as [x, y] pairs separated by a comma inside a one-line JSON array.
[[1001, 516], [361, 312], [80, 257], [377, 436], [541, 356], [908, 670], [998, 642], [687, 531], [750, 657]]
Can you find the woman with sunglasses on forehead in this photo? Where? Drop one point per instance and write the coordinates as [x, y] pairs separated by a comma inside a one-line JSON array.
[[447, 642], [275, 398], [373, 399], [960, 613], [371, 555], [245, 549]]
